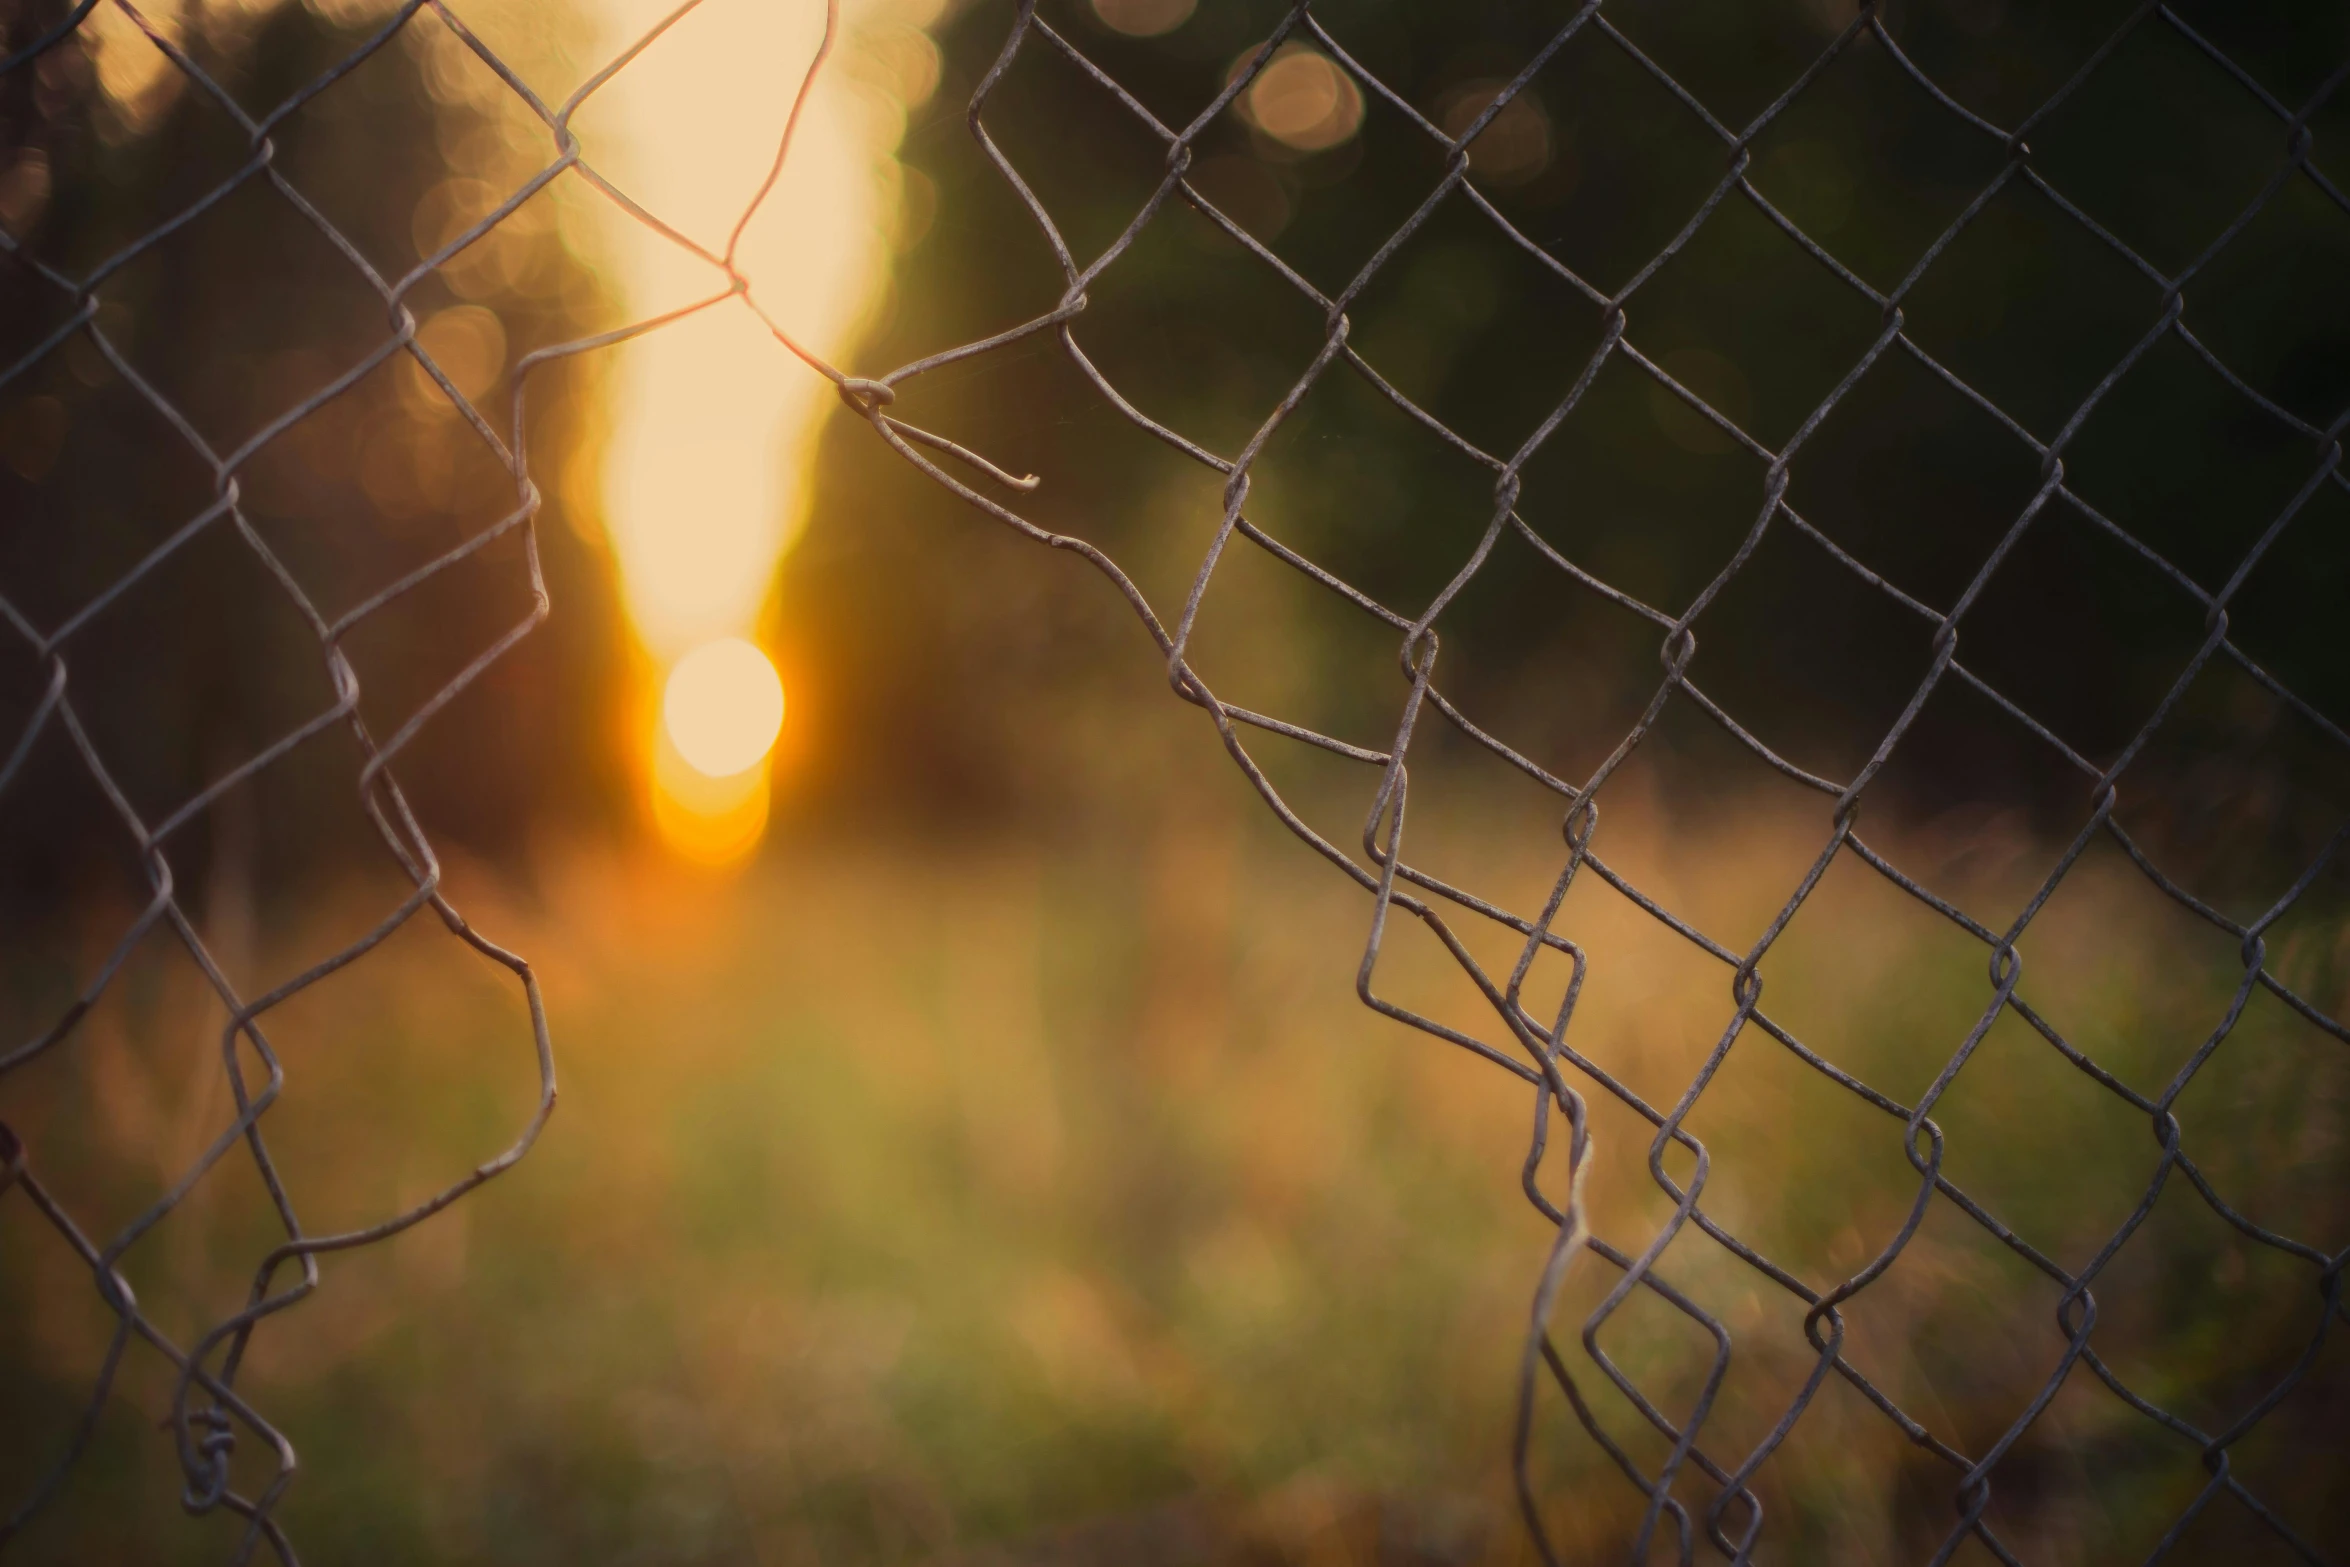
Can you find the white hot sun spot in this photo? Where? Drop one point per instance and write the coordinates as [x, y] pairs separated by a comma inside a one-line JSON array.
[[723, 707]]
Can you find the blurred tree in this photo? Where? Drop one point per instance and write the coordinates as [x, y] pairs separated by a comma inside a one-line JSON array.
[[241, 314], [1600, 164]]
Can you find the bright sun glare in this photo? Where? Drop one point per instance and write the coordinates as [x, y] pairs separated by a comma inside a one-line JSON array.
[[723, 707], [715, 422]]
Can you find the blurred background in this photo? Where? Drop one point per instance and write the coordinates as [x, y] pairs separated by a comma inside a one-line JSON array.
[[971, 1146]]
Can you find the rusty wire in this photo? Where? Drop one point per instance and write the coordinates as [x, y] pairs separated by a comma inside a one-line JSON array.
[[208, 1414]]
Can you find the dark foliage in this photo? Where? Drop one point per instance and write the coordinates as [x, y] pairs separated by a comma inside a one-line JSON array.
[[1908, 474], [196, 658]]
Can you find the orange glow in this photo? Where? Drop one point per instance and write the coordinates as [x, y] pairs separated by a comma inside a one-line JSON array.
[[710, 821], [722, 707], [705, 476], [1302, 100]]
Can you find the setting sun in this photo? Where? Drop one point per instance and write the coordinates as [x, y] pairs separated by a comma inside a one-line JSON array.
[[706, 474], [723, 707]]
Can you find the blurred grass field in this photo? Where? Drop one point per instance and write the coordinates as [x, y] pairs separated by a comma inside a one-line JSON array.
[[917, 1201]]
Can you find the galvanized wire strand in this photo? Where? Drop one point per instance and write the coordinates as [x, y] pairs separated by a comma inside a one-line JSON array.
[[1698, 1496]]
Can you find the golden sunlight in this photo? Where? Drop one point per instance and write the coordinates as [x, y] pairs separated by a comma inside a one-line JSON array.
[[723, 707], [709, 820], [714, 420]]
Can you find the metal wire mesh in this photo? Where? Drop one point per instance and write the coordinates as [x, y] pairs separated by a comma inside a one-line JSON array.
[[1699, 1495]]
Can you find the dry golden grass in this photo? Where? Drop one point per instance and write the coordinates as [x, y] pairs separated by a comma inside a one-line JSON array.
[[913, 1202]]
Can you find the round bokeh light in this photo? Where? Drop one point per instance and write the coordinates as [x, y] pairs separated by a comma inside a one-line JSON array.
[[723, 707]]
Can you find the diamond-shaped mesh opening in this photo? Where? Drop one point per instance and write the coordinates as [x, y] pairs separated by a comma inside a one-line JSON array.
[[2006, 63], [384, 105], [73, 837], [1260, 620], [1774, 371], [1092, 186], [2015, 1084], [1397, 529], [2030, 309], [1645, 163], [2195, 1262], [2260, 310], [85, 443], [1352, 197], [1874, 203], [1454, 316], [1859, 655], [2228, 1109], [2028, 632], [1600, 664], [1174, 74], [2229, 737], [2200, 504], [200, 324], [103, 98], [497, 231], [1921, 979], [312, 1032], [1922, 513], [2160, 150], [1640, 489], [2268, 618], [1735, 67], [1246, 191], [1146, 327], [2290, 59]]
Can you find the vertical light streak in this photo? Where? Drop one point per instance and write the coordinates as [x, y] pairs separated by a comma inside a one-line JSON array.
[[705, 479], [713, 427]]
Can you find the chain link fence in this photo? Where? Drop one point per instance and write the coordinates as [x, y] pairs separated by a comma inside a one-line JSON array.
[[1698, 1489]]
